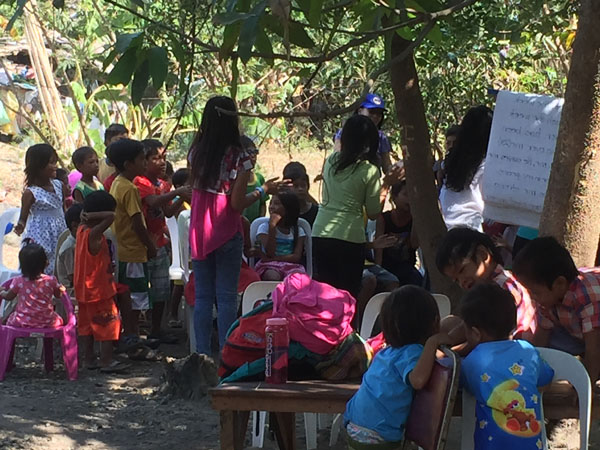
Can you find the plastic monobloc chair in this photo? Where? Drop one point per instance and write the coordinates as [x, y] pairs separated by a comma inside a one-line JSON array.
[[67, 334]]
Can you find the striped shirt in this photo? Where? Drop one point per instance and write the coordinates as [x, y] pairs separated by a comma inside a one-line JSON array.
[[526, 308]]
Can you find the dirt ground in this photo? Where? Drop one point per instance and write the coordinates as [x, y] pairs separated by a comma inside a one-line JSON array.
[[96, 412]]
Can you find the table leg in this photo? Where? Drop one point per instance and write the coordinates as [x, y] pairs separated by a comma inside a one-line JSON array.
[[285, 430], [233, 429]]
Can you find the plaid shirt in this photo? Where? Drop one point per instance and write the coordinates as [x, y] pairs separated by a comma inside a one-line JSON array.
[[579, 312], [526, 308]]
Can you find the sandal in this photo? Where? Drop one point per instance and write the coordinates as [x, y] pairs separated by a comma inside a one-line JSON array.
[[144, 354], [115, 367]]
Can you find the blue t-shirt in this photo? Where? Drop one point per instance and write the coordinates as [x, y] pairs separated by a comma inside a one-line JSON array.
[[504, 376], [284, 242], [383, 401]]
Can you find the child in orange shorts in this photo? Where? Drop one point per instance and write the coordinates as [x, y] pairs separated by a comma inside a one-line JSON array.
[[95, 287]]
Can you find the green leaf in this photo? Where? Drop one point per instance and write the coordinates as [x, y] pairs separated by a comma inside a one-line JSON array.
[[123, 70], [140, 82], [412, 4], [139, 3], [249, 31], [79, 92], [311, 10], [110, 95], [235, 74], [18, 13], [158, 111], [299, 36], [435, 35], [124, 42], [406, 33], [230, 37], [159, 66], [263, 43], [229, 18], [245, 91], [177, 50]]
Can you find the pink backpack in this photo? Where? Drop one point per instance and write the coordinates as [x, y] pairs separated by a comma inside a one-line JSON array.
[[319, 316]]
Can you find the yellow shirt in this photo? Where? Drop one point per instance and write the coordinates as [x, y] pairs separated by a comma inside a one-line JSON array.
[[129, 246]]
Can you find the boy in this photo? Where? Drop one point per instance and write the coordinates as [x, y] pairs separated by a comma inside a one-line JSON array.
[[85, 160], [134, 244], [259, 208], [65, 264], [180, 179], [295, 172], [106, 172], [568, 300], [95, 287], [502, 375], [157, 202]]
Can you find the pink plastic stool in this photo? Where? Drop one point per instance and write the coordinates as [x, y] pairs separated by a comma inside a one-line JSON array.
[[67, 334]]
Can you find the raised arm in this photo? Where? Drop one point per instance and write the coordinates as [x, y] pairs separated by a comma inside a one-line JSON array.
[[420, 374], [101, 220], [27, 199]]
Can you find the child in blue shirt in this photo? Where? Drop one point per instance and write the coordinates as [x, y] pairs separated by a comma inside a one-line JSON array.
[[378, 412], [504, 376]]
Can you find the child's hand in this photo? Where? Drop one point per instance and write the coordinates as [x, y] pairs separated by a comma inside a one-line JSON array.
[[84, 217], [385, 241], [274, 220], [441, 339], [185, 192], [152, 252], [19, 228], [394, 175]]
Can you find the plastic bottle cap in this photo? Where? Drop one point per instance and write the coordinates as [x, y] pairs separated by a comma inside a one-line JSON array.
[[277, 321]]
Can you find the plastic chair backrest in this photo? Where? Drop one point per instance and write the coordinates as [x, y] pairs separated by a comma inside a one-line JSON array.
[[11, 215], [176, 268], [256, 291], [567, 367], [432, 406], [183, 226], [374, 306], [307, 243]]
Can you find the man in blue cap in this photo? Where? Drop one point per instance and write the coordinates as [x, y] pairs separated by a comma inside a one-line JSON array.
[[374, 107]]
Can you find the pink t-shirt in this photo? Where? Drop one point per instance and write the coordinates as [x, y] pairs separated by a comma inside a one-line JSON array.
[[213, 220], [34, 303]]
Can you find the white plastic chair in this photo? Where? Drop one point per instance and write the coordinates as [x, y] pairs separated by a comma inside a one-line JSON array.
[[307, 242], [256, 291], [183, 233], [566, 367], [9, 216], [175, 270], [366, 329]]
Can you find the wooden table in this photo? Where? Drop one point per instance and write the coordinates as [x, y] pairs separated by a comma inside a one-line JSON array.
[[236, 400]]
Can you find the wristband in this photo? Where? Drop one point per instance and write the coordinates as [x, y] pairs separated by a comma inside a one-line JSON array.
[[261, 191]]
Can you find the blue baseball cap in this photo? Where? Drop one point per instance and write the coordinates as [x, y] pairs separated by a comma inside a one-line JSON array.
[[373, 101]]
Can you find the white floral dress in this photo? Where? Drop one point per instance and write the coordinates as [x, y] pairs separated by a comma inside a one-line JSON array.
[[46, 220]]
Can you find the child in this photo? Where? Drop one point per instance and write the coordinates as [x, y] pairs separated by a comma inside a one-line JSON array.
[[282, 241], [568, 300], [65, 263], [295, 172], [134, 244], [43, 199], [378, 412], [34, 292], [95, 287], [400, 258], [259, 208], [468, 256], [180, 179], [85, 160], [157, 203], [63, 176], [503, 375], [106, 171]]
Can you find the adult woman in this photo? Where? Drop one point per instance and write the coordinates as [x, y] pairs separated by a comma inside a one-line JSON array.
[[461, 199], [220, 170], [350, 186]]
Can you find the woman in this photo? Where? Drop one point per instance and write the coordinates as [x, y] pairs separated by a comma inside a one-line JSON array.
[[220, 170], [461, 199], [351, 187]]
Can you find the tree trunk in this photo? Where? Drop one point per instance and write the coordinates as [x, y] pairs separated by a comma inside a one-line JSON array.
[[418, 161], [571, 212]]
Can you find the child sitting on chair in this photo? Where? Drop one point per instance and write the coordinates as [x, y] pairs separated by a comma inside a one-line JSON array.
[[502, 375], [281, 239], [568, 300], [378, 412], [34, 292]]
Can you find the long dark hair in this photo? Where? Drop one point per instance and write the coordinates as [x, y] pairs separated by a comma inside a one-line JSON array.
[[469, 149], [37, 158], [219, 132], [291, 204], [360, 141]]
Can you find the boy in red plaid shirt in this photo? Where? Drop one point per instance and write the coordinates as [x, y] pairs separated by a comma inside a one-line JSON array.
[[568, 300]]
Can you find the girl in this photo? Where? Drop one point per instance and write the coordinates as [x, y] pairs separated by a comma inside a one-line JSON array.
[[220, 170], [377, 413], [282, 241], [295, 173], [461, 200], [351, 187], [42, 198], [468, 256], [34, 292]]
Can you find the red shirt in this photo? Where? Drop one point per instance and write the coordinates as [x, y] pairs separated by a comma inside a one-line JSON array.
[[155, 217], [109, 181]]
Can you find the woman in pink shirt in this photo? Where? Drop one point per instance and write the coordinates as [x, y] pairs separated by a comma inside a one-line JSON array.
[[220, 170]]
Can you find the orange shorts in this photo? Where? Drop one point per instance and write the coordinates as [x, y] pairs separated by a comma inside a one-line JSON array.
[[99, 319]]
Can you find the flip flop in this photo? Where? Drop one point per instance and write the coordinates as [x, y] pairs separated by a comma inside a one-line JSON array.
[[115, 367]]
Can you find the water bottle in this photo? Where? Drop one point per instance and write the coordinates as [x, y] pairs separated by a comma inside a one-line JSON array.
[[276, 352]]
